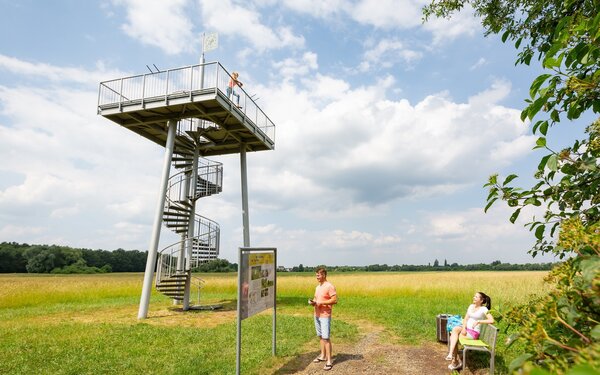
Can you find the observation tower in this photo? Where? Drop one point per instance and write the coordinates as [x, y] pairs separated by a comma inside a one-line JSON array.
[[187, 111]]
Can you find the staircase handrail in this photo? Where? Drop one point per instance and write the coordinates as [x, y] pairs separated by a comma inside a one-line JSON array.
[[181, 82], [211, 173]]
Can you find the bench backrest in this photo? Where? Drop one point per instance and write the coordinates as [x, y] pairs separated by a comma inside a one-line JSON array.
[[488, 334]]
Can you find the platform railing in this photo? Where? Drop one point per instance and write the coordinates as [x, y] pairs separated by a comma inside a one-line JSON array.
[[178, 83]]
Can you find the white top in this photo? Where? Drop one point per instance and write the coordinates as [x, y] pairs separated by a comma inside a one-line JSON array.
[[475, 314]]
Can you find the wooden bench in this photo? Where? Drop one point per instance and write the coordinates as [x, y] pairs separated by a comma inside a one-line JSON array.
[[485, 343]]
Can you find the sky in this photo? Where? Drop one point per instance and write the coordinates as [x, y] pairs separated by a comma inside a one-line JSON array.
[[387, 128]]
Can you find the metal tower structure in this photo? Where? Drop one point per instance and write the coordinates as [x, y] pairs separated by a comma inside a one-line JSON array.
[[188, 112]]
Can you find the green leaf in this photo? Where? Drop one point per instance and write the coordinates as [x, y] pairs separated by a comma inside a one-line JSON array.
[[518, 43], [524, 114], [544, 128], [552, 163], [539, 232], [539, 371], [590, 269], [515, 215], [535, 107], [540, 143], [537, 83], [582, 369], [519, 361], [595, 332], [490, 204], [509, 179], [543, 162], [505, 36]]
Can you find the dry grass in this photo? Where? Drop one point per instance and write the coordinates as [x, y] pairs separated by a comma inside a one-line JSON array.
[[72, 311], [514, 287], [32, 290]]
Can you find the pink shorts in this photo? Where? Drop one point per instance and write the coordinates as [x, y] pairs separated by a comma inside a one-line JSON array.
[[472, 334]]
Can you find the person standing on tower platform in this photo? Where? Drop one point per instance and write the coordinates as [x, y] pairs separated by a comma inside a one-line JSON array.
[[234, 81]]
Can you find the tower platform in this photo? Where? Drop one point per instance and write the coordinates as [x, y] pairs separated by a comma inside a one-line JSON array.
[[196, 96]]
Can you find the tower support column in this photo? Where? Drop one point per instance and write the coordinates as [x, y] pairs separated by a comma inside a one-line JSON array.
[[191, 236], [153, 248], [245, 214]]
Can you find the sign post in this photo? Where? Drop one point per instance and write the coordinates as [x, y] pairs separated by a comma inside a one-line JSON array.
[[257, 289]]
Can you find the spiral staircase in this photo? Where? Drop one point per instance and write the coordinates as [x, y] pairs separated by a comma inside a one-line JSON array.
[[188, 111], [194, 178]]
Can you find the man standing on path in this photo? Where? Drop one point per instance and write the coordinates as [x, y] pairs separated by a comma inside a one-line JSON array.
[[325, 298]]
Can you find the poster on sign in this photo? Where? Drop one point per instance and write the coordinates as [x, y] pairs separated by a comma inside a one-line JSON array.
[[257, 282]]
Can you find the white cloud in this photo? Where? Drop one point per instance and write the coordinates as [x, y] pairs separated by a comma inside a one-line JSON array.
[[388, 53], [163, 24], [75, 165], [11, 232], [57, 74], [366, 148], [353, 239], [237, 21], [481, 62], [387, 13], [318, 8], [461, 23], [292, 67]]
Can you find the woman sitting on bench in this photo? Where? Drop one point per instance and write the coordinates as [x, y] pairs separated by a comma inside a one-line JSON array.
[[477, 314]]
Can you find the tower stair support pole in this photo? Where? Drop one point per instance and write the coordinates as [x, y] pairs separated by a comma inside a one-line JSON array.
[[191, 196], [153, 248], [245, 214]]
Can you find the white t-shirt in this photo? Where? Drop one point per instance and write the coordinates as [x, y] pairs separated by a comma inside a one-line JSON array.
[[475, 314]]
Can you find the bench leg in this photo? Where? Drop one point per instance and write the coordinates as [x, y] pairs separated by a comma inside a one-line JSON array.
[[491, 363]]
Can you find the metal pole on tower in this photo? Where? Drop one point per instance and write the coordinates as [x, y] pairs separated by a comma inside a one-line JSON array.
[[202, 62]]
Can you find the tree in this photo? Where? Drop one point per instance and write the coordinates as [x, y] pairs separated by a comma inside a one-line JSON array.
[[436, 263], [43, 259], [216, 265], [11, 255], [561, 330]]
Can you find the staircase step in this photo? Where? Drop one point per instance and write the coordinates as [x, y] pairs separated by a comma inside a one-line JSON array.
[[177, 226], [172, 207], [171, 290], [174, 295], [171, 282], [176, 214], [182, 165], [176, 220], [180, 204]]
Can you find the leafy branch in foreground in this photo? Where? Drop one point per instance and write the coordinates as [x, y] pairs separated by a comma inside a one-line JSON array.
[[561, 331]]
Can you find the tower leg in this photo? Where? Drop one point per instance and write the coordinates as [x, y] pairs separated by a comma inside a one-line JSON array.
[[191, 192], [245, 214], [184, 241], [153, 248]]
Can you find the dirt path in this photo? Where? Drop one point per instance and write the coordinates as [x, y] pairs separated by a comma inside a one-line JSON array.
[[371, 355]]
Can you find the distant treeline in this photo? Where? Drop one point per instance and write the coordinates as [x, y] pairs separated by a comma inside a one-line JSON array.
[[20, 258], [494, 266]]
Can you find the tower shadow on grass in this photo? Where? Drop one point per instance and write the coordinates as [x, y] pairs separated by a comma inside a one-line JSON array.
[[223, 305]]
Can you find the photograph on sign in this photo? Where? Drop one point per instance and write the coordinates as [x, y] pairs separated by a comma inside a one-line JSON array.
[[258, 280]]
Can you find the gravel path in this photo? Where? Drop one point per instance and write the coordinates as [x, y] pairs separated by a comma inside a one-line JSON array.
[[372, 356]]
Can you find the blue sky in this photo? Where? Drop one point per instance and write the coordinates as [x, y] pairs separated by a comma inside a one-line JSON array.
[[387, 128]]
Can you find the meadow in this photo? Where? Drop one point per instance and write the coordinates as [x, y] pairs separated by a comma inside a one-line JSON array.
[[87, 324]]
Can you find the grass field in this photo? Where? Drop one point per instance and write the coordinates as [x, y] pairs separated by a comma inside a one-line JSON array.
[[86, 324]]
